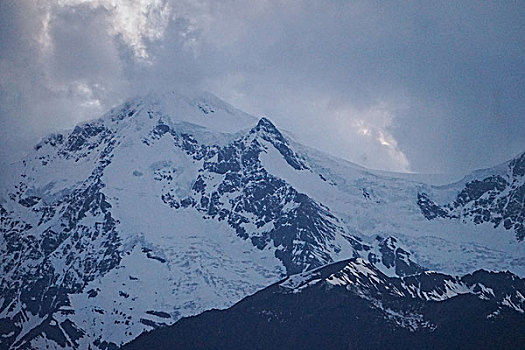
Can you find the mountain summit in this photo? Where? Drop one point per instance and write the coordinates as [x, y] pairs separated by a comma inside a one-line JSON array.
[[170, 205]]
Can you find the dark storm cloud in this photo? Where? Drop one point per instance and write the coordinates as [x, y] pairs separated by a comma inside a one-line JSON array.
[[51, 80], [427, 86]]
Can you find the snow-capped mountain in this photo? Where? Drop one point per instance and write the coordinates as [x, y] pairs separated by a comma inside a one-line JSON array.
[[353, 305], [170, 205]]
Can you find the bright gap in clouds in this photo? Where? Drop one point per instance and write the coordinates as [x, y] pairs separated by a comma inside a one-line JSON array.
[[361, 135]]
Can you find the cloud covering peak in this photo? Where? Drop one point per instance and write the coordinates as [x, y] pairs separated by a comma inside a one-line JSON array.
[[427, 87]]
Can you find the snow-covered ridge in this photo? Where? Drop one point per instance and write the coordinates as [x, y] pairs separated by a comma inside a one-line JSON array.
[[362, 278]]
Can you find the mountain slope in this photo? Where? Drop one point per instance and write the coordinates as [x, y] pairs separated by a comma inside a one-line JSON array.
[[170, 205], [352, 304]]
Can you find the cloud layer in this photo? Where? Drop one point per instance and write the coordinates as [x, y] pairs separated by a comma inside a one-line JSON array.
[[428, 87]]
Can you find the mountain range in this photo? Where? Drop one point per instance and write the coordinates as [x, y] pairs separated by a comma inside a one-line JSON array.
[[173, 204]]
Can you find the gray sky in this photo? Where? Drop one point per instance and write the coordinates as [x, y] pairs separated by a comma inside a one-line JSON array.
[[424, 86]]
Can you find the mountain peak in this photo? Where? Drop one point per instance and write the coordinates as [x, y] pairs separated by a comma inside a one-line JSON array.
[[266, 124], [269, 132], [266, 127], [199, 108]]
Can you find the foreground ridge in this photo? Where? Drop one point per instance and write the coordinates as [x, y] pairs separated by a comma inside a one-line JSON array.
[[351, 304]]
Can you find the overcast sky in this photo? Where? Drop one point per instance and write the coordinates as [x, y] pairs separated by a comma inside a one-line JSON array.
[[425, 86]]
